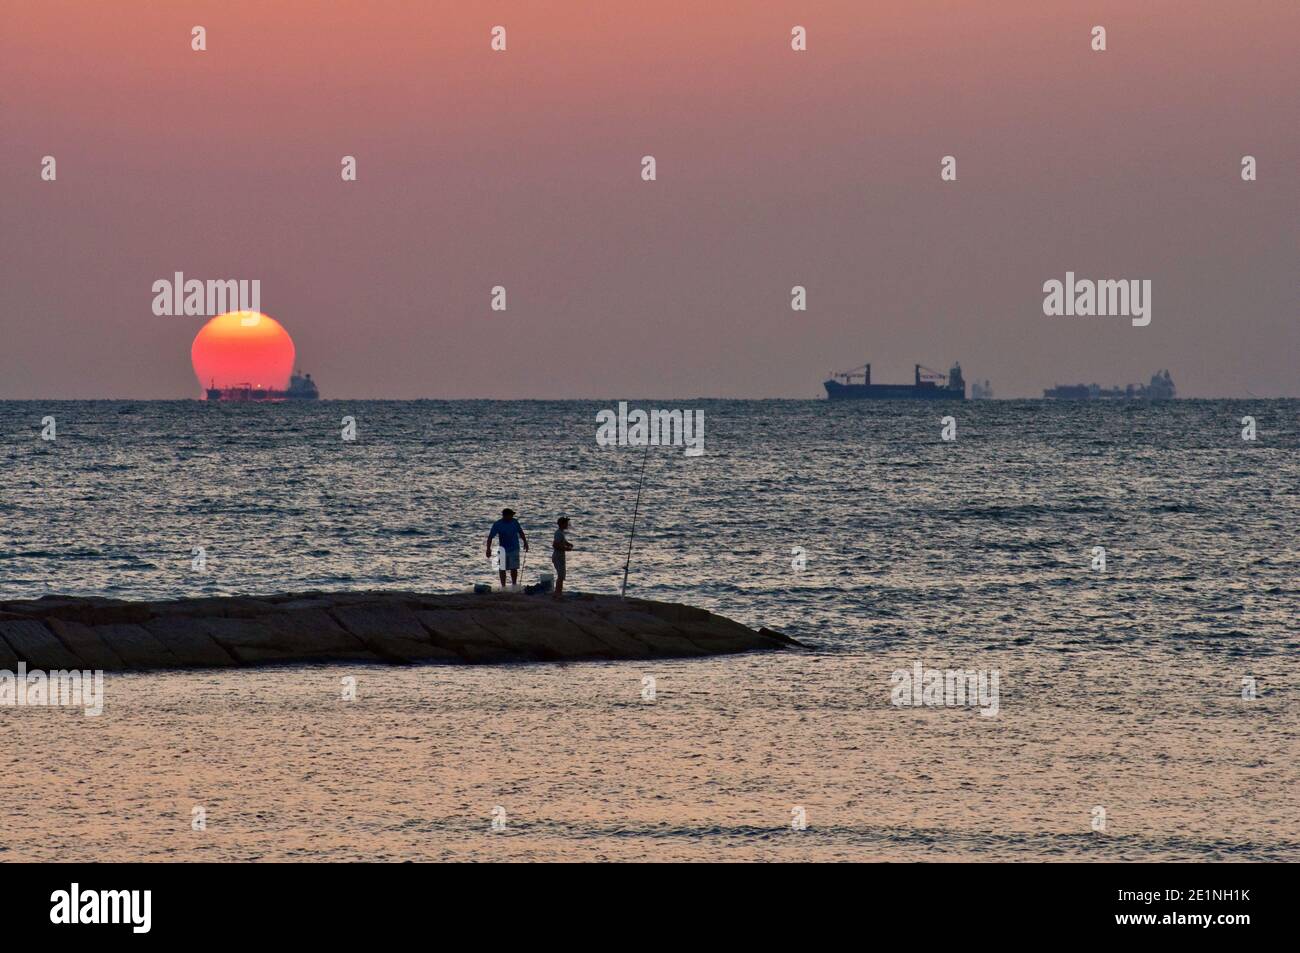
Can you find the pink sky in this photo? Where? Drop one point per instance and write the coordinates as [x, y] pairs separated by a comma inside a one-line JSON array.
[[775, 168]]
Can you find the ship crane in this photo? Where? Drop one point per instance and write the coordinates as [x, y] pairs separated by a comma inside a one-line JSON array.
[[924, 373], [863, 372]]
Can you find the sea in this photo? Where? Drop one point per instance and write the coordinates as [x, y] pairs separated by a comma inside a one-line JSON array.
[[1127, 575]]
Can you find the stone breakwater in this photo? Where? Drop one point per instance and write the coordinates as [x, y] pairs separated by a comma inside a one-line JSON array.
[[63, 632]]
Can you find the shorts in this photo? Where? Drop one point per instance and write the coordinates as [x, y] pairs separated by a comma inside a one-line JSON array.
[[558, 562], [508, 558]]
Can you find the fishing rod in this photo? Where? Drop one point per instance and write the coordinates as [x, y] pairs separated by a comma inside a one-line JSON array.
[[636, 509]]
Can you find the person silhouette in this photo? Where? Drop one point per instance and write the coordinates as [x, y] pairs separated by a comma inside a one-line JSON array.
[[559, 546], [509, 532]]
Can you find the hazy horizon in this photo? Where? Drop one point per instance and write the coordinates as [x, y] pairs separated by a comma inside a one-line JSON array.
[[775, 168]]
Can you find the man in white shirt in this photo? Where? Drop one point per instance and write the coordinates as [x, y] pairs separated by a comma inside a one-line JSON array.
[[559, 546]]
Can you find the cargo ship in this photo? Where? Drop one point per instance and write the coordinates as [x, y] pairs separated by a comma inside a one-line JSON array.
[[928, 385], [1160, 388], [301, 387]]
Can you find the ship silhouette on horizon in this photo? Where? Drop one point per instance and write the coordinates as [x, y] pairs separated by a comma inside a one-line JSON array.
[[1160, 388], [928, 385], [301, 387]]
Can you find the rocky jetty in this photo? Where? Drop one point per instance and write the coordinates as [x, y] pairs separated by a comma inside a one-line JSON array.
[[62, 632]]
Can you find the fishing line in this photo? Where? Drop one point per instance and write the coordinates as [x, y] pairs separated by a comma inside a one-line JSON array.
[[636, 509]]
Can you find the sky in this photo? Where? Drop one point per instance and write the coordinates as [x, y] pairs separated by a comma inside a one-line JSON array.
[[775, 168]]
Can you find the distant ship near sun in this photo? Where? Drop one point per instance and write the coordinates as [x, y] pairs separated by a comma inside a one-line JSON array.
[[248, 356]]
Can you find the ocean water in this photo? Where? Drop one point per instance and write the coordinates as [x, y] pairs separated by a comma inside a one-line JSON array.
[[1119, 690]]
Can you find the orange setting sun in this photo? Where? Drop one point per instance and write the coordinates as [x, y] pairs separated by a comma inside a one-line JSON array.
[[243, 347]]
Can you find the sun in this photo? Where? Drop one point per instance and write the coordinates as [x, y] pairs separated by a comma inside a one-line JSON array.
[[242, 347]]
